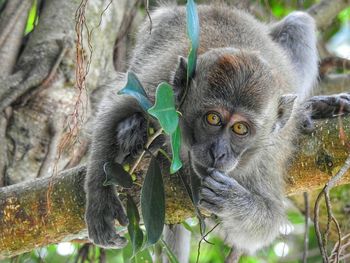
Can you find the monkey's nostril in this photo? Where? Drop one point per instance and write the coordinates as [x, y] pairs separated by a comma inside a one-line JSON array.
[[220, 157]]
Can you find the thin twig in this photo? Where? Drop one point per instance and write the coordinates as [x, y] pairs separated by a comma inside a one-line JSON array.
[[325, 191], [149, 142], [149, 16], [306, 233], [203, 238], [317, 227]]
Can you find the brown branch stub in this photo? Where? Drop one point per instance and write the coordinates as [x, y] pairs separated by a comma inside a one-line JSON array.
[[332, 63]]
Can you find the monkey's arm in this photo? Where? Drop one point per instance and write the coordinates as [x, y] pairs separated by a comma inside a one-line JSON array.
[[120, 130], [250, 220]]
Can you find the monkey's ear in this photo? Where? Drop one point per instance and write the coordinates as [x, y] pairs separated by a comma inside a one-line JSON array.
[[180, 78], [285, 108]]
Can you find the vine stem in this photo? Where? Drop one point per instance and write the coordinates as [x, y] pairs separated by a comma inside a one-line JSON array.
[[149, 142]]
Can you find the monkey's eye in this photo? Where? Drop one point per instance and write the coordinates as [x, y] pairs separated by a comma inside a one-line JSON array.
[[213, 118], [240, 128]]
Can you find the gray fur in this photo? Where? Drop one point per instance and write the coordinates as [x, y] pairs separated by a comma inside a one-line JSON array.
[[243, 66]]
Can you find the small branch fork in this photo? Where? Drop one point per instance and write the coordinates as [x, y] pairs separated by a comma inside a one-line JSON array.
[[322, 241], [149, 142]]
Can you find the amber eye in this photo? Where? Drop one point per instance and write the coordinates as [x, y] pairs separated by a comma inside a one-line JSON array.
[[213, 118], [240, 128]]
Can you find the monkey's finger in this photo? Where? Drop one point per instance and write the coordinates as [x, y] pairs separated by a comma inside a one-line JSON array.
[[213, 196], [102, 232], [116, 209], [213, 184], [120, 215], [222, 178], [214, 208], [118, 242]]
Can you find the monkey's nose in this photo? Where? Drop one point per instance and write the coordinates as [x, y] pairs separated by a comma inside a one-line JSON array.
[[216, 155]]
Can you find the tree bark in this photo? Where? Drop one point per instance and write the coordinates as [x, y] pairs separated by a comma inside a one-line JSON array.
[[51, 210], [325, 11]]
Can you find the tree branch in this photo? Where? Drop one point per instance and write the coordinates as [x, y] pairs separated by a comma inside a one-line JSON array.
[[325, 11], [42, 52], [334, 83], [51, 210]]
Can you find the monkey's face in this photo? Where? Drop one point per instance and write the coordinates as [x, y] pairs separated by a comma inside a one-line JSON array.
[[220, 138], [229, 110]]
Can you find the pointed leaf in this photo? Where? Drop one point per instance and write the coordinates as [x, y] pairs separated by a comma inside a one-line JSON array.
[[176, 163], [153, 202], [115, 174], [134, 88], [164, 108], [193, 35], [135, 232]]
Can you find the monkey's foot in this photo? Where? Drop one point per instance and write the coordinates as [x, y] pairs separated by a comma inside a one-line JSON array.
[[329, 106], [100, 221], [322, 107]]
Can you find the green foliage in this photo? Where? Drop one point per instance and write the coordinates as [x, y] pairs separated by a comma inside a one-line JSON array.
[[135, 232], [115, 174], [153, 202], [164, 108], [295, 217], [193, 35], [32, 18], [344, 16], [176, 163], [134, 88]]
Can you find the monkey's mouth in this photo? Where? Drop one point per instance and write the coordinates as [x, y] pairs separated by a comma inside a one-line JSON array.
[[202, 169]]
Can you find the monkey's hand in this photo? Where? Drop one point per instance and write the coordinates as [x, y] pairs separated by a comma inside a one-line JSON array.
[[219, 192], [100, 214], [250, 220]]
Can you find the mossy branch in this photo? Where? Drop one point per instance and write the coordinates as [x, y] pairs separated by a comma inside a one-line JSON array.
[[50, 210]]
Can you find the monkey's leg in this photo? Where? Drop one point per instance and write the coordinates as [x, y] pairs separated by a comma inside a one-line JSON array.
[[321, 107], [119, 132], [329, 106]]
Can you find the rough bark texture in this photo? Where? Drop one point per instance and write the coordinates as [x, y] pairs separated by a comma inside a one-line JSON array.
[[50, 210]]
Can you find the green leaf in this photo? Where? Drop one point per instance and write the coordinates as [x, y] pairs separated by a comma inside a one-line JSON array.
[[295, 217], [164, 108], [176, 163], [134, 88], [135, 232], [172, 258], [32, 18], [193, 35], [153, 202], [115, 174]]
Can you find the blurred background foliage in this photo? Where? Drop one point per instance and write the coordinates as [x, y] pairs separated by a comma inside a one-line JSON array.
[[288, 248]]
